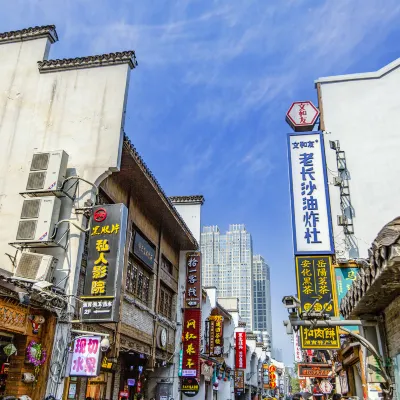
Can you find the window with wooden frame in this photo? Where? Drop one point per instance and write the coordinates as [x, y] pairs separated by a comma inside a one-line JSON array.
[[165, 304], [167, 266], [137, 281]]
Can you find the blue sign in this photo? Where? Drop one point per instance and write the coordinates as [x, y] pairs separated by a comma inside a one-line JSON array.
[[311, 218]]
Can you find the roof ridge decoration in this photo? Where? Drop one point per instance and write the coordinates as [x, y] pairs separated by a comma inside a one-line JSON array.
[[36, 32], [198, 198], [158, 187], [101, 60]]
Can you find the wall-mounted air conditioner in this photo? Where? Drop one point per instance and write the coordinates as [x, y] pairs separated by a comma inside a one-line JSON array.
[[47, 171], [341, 220], [38, 218], [35, 267]]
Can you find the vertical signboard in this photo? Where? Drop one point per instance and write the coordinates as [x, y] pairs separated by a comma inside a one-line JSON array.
[[298, 355], [239, 382], [191, 343], [316, 293], [216, 335], [265, 376], [240, 350], [193, 281], [272, 377], [86, 356], [192, 317], [311, 219], [105, 262], [344, 279]]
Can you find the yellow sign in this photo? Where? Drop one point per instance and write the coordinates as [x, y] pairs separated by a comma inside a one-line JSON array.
[[317, 294]]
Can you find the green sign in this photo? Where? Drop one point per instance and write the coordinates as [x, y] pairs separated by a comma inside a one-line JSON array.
[[344, 279]]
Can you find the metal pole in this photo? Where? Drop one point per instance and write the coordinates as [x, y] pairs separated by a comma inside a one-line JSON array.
[[325, 323]]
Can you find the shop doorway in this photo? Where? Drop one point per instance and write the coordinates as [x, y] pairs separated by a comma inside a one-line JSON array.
[[6, 340], [100, 387]]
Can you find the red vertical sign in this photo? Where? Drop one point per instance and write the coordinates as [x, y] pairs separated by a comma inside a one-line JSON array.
[[191, 343], [241, 350]]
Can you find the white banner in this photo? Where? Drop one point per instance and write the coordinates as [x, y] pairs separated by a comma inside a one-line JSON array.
[[86, 356], [298, 355], [311, 220]]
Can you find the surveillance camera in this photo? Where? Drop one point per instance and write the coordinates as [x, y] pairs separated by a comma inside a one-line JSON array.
[[291, 302], [104, 344]]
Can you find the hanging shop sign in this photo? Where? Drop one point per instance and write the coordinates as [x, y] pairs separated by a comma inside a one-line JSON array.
[[143, 250], [216, 335], [105, 264], [207, 371], [314, 370], [191, 343], [86, 356], [240, 350], [190, 387], [239, 382], [193, 280], [265, 376], [316, 292], [311, 219], [345, 276], [302, 116], [180, 363], [298, 355]]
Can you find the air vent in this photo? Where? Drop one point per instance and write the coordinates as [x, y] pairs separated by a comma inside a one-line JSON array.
[[26, 230], [37, 267], [36, 180], [30, 209], [40, 161]]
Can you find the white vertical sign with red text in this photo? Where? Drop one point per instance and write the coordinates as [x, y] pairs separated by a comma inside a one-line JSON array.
[[298, 355], [241, 350]]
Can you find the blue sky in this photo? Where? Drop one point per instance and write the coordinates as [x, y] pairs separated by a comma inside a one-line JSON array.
[[207, 103]]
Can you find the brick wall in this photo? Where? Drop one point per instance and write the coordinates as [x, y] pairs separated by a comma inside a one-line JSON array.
[[392, 325]]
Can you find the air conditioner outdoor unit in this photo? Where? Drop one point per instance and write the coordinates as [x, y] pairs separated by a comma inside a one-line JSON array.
[[35, 267], [341, 220], [38, 218], [47, 171]]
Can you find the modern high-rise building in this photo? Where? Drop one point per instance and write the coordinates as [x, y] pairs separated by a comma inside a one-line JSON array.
[[262, 295], [227, 265]]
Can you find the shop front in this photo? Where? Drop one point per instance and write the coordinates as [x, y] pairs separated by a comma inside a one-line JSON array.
[[26, 339]]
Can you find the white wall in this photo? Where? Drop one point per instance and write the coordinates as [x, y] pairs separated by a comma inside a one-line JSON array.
[[363, 115], [79, 111], [191, 214]]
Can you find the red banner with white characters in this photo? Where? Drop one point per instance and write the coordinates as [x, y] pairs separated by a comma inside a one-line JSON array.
[[241, 350], [191, 343]]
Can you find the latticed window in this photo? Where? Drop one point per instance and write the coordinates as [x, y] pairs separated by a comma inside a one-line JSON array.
[[167, 266], [165, 306], [137, 281]]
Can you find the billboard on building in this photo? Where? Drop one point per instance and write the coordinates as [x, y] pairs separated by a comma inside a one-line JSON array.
[[316, 292], [311, 219], [105, 263]]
